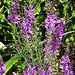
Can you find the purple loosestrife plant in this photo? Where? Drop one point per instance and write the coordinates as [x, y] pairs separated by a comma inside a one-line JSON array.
[[28, 21], [14, 17], [65, 67], [57, 35], [2, 66], [35, 70], [28, 43], [52, 45], [50, 26]]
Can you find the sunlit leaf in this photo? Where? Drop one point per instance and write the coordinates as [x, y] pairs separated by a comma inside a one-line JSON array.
[[20, 0], [68, 32], [37, 7], [1, 8], [71, 38], [67, 40], [2, 16], [11, 62], [42, 0], [65, 0], [73, 14], [2, 20], [0, 27]]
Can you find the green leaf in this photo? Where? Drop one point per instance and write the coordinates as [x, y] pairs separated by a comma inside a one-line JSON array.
[[34, 2], [4, 26], [0, 27], [65, 9], [10, 24], [1, 9], [68, 32], [11, 62], [73, 14], [14, 38], [2, 15], [72, 38], [42, 42], [20, 0], [67, 40], [38, 17], [13, 44], [42, 0], [73, 26], [7, 54], [57, 66], [57, 53], [2, 20], [37, 7], [65, 0]]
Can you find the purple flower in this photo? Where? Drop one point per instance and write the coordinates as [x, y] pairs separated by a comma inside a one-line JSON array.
[[28, 7], [65, 66], [35, 70], [9, 17], [14, 6], [55, 31], [2, 66], [26, 24], [32, 17], [16, 17], [11, 21], [33, 10]]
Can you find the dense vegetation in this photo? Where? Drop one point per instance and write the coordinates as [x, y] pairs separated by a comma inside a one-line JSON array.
[[38, 37]]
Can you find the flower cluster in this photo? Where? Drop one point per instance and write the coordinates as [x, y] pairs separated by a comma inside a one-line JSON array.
[[28, 21], [2, 66], [57, 31], [54, 33], [35, 70], [57, 35], [14, 17], [50, 21], [65, 66], [50, 26], [52, 45]]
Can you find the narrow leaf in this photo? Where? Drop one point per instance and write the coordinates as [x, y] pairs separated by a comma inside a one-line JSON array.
[[11, 62], [68, 32], [42, 42]]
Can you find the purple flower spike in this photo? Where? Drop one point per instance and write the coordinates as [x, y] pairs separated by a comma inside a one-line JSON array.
[[2, 66], [35, 70], [65, 66], [55, 31], [26, 24], [14, 6]]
